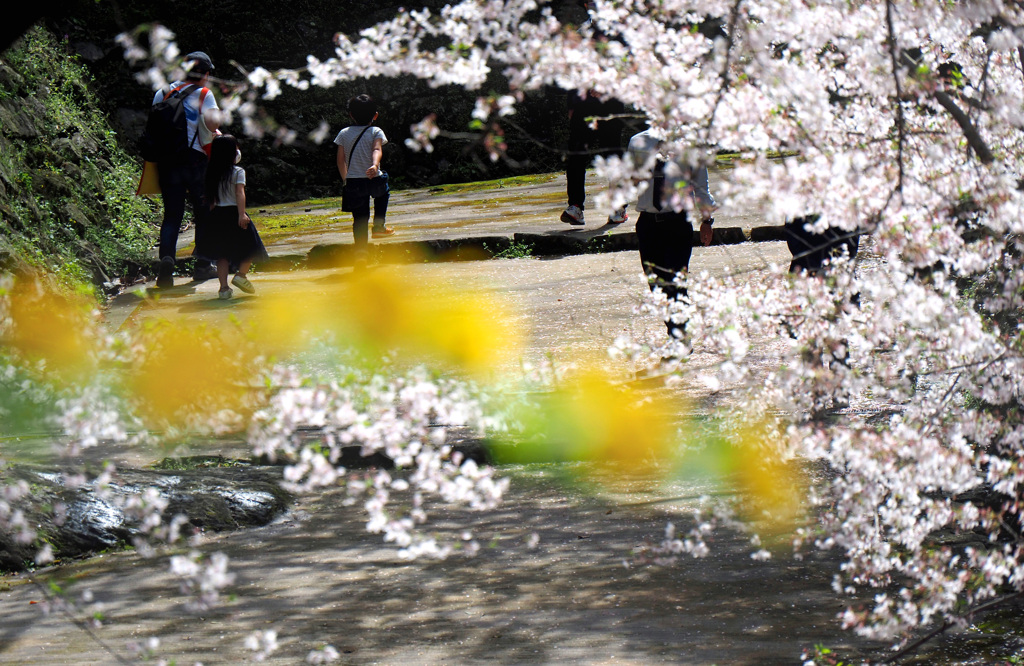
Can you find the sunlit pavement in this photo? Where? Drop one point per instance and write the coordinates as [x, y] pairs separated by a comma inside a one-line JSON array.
[[567, 307]]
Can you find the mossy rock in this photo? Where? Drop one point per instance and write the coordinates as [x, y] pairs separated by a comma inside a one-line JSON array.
[[212, 499]]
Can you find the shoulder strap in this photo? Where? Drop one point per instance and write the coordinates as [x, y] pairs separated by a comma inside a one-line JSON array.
[[348, 159], [182, 91]]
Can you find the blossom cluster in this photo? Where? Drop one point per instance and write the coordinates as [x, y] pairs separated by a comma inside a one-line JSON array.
[[402, 415], [901, 369]]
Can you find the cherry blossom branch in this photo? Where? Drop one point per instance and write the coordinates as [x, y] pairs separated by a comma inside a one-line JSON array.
[[971, 133], [726, 78], [948, 624], [63, 607], [895, 60]]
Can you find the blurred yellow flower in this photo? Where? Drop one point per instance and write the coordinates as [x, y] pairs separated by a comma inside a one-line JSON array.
[[379, 312], [591, 419], [187, 372], [770, 481], [50, 326]]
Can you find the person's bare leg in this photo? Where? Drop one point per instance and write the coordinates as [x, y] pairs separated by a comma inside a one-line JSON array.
[[222, 273]]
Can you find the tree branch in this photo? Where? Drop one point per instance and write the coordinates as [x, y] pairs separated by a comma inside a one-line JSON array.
[[729, 41], [894, 58], [946, 625], [971, 133]]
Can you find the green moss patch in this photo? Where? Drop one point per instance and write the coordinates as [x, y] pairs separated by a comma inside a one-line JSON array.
[[513, 181]]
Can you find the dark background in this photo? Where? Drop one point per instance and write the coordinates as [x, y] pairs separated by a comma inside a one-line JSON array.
[[274, 34]]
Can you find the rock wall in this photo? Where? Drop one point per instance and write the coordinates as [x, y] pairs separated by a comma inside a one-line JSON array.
[[67, 202]]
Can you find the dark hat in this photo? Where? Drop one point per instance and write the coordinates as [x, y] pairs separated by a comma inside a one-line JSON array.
[[200, 62]]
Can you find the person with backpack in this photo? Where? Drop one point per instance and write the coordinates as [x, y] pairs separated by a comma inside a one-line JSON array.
[[173, 139]]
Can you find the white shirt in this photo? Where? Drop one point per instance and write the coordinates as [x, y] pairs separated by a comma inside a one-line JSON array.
[[678, 175], [362, 160], [226, 192]]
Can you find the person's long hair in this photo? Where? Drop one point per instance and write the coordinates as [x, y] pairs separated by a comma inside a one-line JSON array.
[[222, 158]]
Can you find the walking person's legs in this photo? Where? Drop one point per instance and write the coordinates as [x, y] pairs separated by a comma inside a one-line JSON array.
[[360, 227], [576, 165], [356, 200], [380, 212], [173, 190], [666, 243], [240, 280], [194, 174], [223, 266]]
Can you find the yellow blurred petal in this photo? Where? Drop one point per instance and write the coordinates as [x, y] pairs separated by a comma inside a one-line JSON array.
[[772, 483], [383, 311], [51, 326], [188, 371], [591, 419]]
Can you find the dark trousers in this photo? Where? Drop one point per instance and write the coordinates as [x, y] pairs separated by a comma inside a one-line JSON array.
[[586, 142], [666, 243], [812, 250], [178, 183], [356, 198]]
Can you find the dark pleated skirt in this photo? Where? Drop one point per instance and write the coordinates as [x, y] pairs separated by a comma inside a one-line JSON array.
[[222, 238]]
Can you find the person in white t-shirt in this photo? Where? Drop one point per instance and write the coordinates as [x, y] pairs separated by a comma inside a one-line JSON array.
[[231, 236], [183, 180], [360, 149]]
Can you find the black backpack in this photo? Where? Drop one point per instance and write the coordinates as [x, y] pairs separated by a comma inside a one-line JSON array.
[[166, 135]]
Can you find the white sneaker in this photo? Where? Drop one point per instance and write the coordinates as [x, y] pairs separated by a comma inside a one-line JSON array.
[[618, 217], [243, 283], [573, 215], [224, 294]]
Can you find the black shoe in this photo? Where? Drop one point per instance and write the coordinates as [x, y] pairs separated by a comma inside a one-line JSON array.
[[204, 272], [165, 276]]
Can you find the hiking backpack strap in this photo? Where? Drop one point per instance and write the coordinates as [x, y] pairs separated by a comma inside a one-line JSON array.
[[202, 98], [182, 92]]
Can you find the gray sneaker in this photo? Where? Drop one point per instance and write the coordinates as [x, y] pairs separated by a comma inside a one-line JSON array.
[[573, 214], [243, 283], [225, 293]]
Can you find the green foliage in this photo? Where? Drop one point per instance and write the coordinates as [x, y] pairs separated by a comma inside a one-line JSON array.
[[67, 188], [516, 250], [823, 656]]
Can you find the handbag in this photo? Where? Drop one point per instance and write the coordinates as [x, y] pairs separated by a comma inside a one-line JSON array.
[[149, 183], [379, 186]]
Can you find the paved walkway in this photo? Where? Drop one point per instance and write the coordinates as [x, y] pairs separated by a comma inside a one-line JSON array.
[[475, 221], [472, 221]]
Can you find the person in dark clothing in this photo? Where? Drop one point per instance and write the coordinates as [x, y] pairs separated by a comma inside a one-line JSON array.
[[586, 142], [812, 251], [231, 236], [595, 128], [182, 179], [664, 234], [360, 151]]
